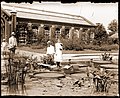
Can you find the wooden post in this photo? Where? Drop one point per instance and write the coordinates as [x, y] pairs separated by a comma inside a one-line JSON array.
[[71, 33], [62, 32], [80, 34], [41, 33], [52, 33], [13, 25], [7, 30]]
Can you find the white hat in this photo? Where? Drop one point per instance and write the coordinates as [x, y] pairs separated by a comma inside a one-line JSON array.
[[72, 27], [48, 42], [42, 25], [13, 33], [3, 39]]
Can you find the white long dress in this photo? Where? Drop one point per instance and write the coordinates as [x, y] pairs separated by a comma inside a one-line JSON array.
[[50, 50], [4, 62], [58, 52], [4, 46]]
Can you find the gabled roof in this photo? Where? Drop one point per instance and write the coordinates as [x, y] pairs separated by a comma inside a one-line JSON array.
[[29, 12]]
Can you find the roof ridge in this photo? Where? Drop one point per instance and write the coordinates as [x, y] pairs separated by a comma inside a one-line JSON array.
[[48, 15], [42, 10], [88, 20], [67, 18]]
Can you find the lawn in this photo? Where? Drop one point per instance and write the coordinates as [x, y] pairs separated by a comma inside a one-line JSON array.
[[43, 51]]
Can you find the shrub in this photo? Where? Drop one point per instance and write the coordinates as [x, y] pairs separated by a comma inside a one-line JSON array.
[[67, 44], [88, 46], [78, 48], [110, 47], [102, 47], [75, 44], [72, 44], [38, 47], [96, 47]]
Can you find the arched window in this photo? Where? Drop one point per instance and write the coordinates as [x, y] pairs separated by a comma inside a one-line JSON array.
[[57, 33], [47, 30]]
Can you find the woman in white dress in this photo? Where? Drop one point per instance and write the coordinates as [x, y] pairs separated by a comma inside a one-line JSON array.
[[50, 53], [4, 50], [4, 46], [58, 53]]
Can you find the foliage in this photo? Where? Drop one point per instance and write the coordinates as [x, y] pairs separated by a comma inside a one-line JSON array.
[[100, 35], [113, 26], [111, 41], [69, 44], [37, 46], [49, 59], [102, 48], [106, 57]]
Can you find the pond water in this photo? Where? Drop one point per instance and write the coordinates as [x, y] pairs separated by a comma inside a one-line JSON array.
[[63, 86], [57, 86]]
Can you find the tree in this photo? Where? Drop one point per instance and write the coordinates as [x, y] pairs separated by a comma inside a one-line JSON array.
[[113, 26], [100, 34]]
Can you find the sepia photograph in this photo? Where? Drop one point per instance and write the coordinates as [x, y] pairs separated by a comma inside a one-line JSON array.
[[52, 48]]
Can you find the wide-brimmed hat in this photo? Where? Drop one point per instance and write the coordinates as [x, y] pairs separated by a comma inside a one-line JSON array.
[[13, 33]]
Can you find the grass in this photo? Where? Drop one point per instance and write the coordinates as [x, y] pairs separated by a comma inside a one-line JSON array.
[[43, 51]]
